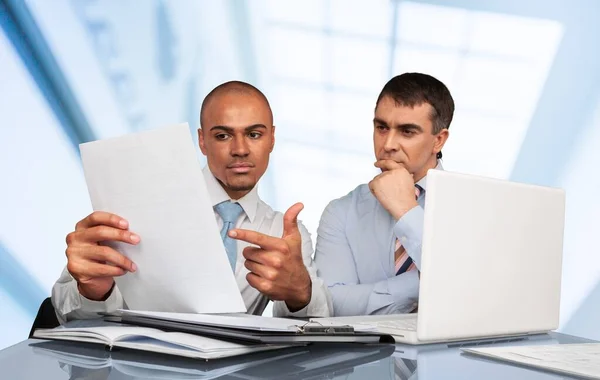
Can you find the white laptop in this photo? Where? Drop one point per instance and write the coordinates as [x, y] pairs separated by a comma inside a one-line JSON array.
[[491, 262]]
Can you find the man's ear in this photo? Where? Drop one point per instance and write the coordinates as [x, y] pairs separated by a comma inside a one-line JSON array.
[[201, 141], [440, 140], [272, 139]]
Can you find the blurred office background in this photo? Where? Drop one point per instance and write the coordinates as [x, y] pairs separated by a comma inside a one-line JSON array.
[[525, 76]]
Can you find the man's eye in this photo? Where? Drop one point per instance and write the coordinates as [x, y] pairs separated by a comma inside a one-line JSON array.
[[254, 135], [381, 127], [221, 136]]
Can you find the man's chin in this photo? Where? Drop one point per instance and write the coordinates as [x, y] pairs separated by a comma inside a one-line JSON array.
[[237, 185]]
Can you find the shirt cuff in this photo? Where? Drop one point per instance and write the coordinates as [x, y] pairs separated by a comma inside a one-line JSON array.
[[111, 304], [409, 230], [319, 306], [80, 307], [400, 294]]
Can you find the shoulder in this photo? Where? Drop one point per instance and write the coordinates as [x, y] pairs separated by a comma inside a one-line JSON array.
[[348, 201]]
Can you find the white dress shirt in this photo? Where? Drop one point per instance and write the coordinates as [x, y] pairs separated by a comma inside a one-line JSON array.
[[257, 216]]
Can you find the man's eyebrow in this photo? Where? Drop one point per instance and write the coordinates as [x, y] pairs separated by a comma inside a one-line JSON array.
[[408, 126], [222, 127], [231, 130], [405, 126], [256, 126]]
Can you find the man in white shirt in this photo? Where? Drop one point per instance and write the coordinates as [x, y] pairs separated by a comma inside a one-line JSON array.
[[237, 136]]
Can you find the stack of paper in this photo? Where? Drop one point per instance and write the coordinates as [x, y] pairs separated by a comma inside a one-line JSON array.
[[570, 359], [240, 321]]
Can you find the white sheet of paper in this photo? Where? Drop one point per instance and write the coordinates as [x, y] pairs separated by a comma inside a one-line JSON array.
[[361, 322], [242, 321], [154, 180], [572, 359]]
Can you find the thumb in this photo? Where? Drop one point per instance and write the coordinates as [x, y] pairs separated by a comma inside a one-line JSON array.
[[290, 220]]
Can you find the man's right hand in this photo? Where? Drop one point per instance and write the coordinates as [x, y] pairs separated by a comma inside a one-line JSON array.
[[394, 188], [93, 265]]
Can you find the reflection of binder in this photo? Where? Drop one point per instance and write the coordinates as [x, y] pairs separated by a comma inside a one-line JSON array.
[[314, 362], [86, 359], [304, 332]]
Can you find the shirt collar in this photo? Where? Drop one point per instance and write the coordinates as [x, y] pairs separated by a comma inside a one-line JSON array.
[[217, 194], [422, 183]]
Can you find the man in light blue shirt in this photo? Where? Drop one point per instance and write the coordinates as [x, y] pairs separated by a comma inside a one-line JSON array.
[[369, 241]]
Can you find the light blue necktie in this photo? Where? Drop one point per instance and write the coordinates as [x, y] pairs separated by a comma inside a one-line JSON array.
[[229, 212]]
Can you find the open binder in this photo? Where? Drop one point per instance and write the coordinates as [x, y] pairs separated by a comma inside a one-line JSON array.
[[249, 328], [140, 338]]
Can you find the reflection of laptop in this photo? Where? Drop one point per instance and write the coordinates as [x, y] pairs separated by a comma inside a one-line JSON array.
[[491, 262], [444, 361], [414, 352]]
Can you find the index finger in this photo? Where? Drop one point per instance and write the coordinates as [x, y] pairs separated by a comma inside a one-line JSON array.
[[264, 241], [102, 218]]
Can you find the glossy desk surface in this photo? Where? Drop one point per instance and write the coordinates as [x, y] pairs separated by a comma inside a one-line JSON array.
[[35, 359]]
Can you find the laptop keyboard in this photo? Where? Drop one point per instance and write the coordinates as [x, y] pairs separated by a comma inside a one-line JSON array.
[[407, 324]]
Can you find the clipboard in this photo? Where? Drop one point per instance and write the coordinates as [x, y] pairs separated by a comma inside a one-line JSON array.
[[308, 332]]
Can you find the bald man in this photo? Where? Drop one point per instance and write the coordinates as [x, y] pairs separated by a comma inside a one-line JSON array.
[[237, 136]]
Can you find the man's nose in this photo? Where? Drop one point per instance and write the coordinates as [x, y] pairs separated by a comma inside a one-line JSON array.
[[239, 147], [392, 142]]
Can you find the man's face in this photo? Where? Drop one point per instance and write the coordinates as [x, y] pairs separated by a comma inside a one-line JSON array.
[[404, 134], [237, 136]]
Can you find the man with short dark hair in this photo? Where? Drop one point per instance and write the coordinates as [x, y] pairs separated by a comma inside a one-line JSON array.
[[369, 241]]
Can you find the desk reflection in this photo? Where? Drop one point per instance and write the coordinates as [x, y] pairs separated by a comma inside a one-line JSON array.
[[68, 360], [330, 361]]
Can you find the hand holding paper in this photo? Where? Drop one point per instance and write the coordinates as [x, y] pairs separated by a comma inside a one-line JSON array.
[[154, 181], [93, 265]]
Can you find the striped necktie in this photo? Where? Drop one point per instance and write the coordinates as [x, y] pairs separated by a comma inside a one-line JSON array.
[[403, 262]]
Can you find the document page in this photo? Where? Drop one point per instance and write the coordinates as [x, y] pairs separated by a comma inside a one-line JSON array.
[[572, 359], [154, 180], [236, 321], [363, 322]]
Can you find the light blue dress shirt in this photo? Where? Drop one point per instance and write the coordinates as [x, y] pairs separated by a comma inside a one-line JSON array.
[[355, 254]]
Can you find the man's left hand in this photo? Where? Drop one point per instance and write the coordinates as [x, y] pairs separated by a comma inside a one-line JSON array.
[[394, 188], [276, 266]]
